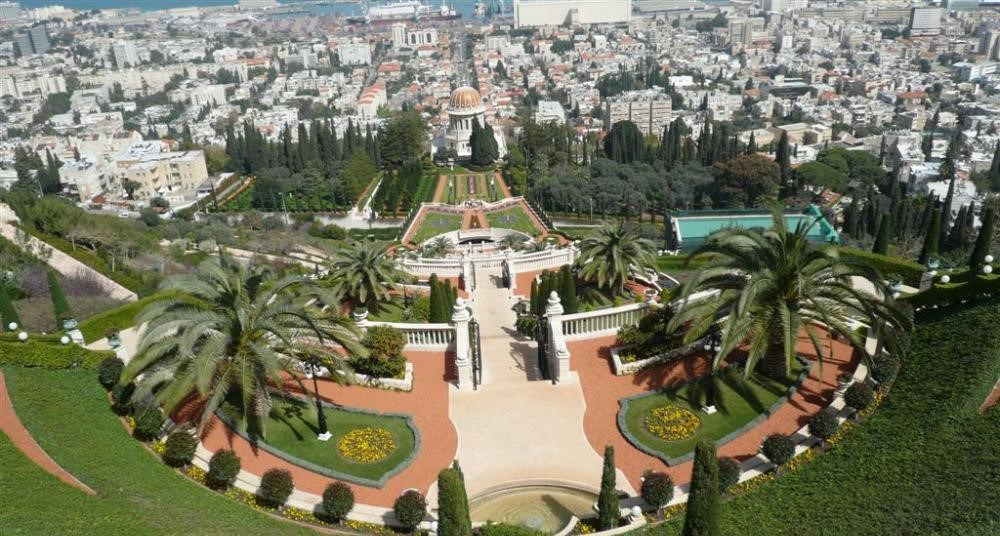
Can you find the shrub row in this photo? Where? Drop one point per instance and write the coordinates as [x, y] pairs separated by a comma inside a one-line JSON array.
[[945, 294], [44, 352], [907, 271]]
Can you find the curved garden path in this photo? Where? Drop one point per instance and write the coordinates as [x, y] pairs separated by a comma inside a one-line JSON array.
[[427, 403], [11, 425], [603, 390]]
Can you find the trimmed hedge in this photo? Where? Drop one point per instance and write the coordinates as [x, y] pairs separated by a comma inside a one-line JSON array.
[[779, 448], [729, 473], [222, 469], [109, 371], [43, 352], [657, 489], [945, 294], [859, 396], [410, 509], [823, 425], [179, 449], [148, 423], [909, 272], [884, 368], [8, 313], [338, 500], [60, 305], [276, 486]]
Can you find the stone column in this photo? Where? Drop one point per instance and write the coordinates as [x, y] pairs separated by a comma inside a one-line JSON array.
[[558, 353], [467, 273], [463, 359]]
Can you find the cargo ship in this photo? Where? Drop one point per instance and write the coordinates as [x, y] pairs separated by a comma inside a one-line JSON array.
[[404, 10]]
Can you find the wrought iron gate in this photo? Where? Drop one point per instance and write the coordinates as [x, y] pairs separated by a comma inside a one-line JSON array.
[[477, 353], [542, 338]]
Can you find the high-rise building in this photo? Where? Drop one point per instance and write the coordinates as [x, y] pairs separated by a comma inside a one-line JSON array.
[[354, 54], [781, 6], [10, 11], [925, 21], [648, 109], [126, 54], [989, 44]]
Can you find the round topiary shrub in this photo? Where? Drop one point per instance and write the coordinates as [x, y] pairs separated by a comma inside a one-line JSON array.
[[779, 448], [823, 425], [121, 398], [338, 499], [729, 473], [884, 368], [859, 396], [148, 423], [275, 487], [657, 489], [109, 370], [222, 469], [179, 449], [410, 509]]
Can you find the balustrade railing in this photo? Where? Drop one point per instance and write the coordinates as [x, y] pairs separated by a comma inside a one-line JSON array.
[[602, 320], [421, 335]]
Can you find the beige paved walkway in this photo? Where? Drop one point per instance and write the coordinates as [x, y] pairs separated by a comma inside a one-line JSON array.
[[517, 427]]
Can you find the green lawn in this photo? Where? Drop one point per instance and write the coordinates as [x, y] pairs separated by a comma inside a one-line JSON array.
[[435, 223], [116, 319], [738, 400], [292, 428], [678, 264], [512, 218], [926, 462], [67, 413]]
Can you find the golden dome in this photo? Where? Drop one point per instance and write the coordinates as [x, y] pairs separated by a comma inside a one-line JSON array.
[[465, 98]]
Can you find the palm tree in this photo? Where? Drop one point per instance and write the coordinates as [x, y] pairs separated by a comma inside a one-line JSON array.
[[232, 330], [608, 255], [773, 284], [364, 274], [439, 247]]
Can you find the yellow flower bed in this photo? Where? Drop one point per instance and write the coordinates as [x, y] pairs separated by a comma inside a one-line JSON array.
[[671, 423], [366, 445]]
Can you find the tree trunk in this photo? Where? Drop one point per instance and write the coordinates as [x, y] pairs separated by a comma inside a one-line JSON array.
[[774, 365]]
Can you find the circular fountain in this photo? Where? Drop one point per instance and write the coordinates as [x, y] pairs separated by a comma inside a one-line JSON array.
[[545, 508]]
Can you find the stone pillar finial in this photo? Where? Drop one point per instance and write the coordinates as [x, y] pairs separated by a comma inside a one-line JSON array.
[[554, 305]]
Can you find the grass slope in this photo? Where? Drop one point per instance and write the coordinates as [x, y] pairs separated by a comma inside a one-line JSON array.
[[927, 462], [67, 413]]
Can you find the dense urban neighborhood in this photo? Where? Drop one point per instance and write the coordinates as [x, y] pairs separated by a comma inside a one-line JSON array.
[[500, 267]]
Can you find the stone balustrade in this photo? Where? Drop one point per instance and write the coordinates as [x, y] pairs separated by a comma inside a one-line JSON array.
[[602, 321], [420, 336]]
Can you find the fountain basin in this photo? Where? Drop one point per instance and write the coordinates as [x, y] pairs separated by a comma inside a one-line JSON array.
[[546, 508]]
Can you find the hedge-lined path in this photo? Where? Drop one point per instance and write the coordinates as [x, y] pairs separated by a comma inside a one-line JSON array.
[[603, 390], [427, 404], [11, 425]]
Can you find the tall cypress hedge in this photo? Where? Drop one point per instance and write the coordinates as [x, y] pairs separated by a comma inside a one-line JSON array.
[[608, 510], [60, 305], [8, 313], [702, 517], [453, 505], [567, 290], [982, 248]]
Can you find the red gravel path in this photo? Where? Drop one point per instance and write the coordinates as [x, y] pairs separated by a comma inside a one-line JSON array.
[[11, 425], [427, 403], [602, 390]]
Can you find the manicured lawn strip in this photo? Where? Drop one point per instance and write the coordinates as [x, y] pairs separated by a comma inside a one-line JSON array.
[[925, 463], [577, 233], [116, 319], [512, 218], [435, 223], [389, 312], [739, 401], [292, 428], [67, 414], [34, 502], [673, 264]]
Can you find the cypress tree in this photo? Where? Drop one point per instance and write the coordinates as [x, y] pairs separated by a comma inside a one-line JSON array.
[[884, 232], [783, 158], [983, 241], [931, 239], [702, 517], [928, 142], [60, 306], [995, 169], [957, 236], [453, 507], [8, 313], [535, 309], [607, 502], [946, 209], [435, 300], [567, 291]]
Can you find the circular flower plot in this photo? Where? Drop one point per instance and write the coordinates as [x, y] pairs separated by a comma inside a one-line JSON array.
[[671, 423], [366, 445]]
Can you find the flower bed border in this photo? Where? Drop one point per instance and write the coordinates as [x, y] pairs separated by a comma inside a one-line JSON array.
[[625, 402], [333, 473], [625, 369]]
